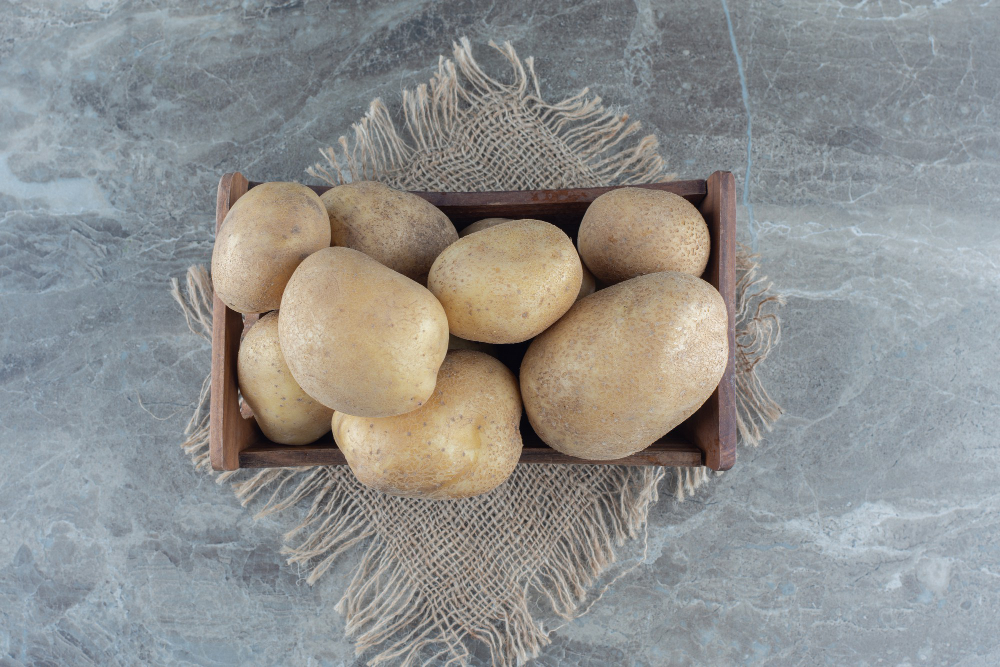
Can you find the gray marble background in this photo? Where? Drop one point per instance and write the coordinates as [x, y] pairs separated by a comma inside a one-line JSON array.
[[864, 531]]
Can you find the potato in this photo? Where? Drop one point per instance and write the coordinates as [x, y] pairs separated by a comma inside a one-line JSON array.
[[284, 412], [464, 441], [265, 235], [630, 232], [588, 286], [398, 229], [626, 365], [480, 225], [507, 283], [359, 337]]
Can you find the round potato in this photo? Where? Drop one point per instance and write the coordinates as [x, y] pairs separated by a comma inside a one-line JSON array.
[[626, 365], [359, 337], [630, 232], [480, 225], [284, 412], [398, 229], [464, 441], [507, 283], [588, 286], [265, 235]]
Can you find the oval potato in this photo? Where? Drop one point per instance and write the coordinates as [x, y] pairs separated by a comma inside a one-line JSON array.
[[480, 225], [630, 232], [464, 441], [265, 235], [399, 229], [359, 337], [507, 283], [626, 365], [284, 412]]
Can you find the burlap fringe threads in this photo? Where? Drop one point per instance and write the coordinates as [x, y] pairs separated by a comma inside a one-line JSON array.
[[377, 603], [196, 306], [758, 330], [384, 604], [578, 133], [383, 600]]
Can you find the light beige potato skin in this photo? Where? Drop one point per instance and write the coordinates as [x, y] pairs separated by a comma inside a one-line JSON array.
[[359, 337], [464, 441], [630, 232], [398, 229], [284, 412], [588, 286], [507, 283], [265, 235], [626, 365], [480, 225]]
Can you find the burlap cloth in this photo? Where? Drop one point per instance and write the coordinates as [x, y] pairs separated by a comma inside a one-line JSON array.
[[437, 576]]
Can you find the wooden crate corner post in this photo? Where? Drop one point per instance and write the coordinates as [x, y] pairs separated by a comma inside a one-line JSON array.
[[229, 433], [713, 427]]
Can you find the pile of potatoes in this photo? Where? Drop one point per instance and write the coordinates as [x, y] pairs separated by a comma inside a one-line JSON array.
[[383, 323]]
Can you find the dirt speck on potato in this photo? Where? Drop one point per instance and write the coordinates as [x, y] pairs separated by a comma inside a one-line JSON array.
[[507, 283], [626, 365], [372, 345], [266, 385], [268, 232], [630, 232], [464, 441], [395, 228]]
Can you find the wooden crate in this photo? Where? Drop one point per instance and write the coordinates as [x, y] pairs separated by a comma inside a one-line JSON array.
[[707, 438]]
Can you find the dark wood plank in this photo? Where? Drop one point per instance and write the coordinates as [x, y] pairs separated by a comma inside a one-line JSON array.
[[675, 454], [692, 190], [713, 426], [560, 207], [229, 433], [271, 455], [250, 319]]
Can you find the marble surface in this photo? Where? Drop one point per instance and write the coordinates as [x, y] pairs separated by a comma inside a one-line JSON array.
[[864, 138]]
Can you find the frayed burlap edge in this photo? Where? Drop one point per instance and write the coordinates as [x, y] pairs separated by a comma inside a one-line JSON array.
[[586, 137], [196, 306], [758, 331], [374, 604], [381, 604]]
